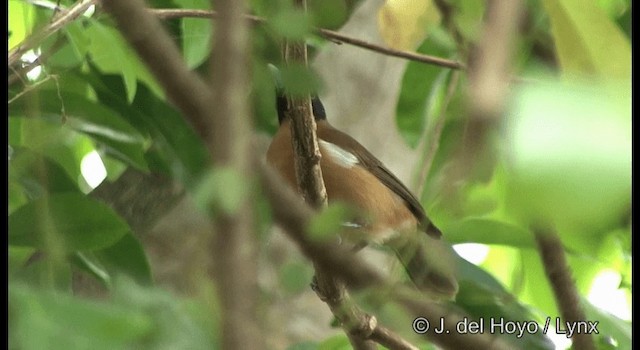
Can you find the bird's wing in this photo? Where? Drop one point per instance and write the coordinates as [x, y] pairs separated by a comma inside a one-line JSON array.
[[375, 166]]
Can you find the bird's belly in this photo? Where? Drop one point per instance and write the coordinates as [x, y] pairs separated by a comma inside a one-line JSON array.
[[383, 213]]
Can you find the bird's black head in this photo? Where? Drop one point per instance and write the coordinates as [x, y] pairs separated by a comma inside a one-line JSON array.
[[282, 106]]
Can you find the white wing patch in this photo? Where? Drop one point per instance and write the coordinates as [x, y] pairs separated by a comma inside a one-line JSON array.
[[340, 156]]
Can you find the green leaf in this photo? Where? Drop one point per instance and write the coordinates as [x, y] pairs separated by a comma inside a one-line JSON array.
[[71, 220], [295, 277], [196, 33], [536, 289], [609, 325], [38, 319], [468, 17], [74, 47], [21, 21], [79, 113], [488, 231], [38, 175], [111, 53], [300, 81], [178, 324], [17, 257], [87, 263], [127, 257], [421, 93], [482, 296], [330, 222], [175, 139], [221, 189], [329, 14], [176, 148], [587, 40], [569, 152], [337, 342], [291, 23], [33, 138], [44, 271], [77, 38], [263, 98], [308, 345]]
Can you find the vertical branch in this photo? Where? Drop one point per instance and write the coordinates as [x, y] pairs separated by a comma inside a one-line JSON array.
[[559, 275], [233, 246], [303, 129], [489, 70], [489, 78], [311, 184]]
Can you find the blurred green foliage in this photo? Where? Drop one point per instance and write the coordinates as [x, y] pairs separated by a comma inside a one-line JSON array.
[[561, 158]]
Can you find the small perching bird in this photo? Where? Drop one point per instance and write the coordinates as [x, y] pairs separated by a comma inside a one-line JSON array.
[[387, 212]]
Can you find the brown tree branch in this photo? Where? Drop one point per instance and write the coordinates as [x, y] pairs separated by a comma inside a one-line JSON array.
[[212, 112], [311, 185], [140, 198], [564, 289], [326, 33], [38, 36], [412, 56], [490, 67], [234, 244], [489, 75]]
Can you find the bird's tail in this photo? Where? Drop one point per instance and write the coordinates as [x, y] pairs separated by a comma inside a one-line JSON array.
[[430, 264]]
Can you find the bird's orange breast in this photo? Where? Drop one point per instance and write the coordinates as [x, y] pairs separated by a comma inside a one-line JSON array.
[[354, 185]]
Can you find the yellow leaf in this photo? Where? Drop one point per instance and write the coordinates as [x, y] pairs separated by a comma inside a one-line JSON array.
[[404, 24]]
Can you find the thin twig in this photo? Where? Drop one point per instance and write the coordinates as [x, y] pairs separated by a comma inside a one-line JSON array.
[[413, 56], [29, 88], [17, 73], [564, 289], [326, 33], [37, 37]]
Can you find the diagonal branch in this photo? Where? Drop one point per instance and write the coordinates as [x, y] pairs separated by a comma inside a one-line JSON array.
[[326, 33], [37, 37], [559, 275]]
